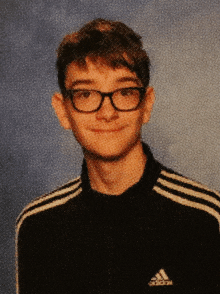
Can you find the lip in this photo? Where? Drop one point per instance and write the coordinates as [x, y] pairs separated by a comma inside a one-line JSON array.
[[107, 130]]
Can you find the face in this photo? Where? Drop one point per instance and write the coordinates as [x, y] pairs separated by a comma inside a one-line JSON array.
[[107, 133]]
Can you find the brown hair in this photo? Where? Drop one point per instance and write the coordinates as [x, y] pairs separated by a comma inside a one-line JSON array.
[[112, 42]]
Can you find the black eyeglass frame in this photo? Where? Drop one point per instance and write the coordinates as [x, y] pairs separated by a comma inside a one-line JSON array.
[[142, 91]]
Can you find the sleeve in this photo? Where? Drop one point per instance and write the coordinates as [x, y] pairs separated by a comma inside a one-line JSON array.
[[34, 273]]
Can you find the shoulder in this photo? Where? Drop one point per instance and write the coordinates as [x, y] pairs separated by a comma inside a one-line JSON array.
[[188, 193], [55, 199]]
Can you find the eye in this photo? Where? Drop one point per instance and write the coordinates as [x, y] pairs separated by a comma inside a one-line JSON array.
[[81, 94], [127, 92]]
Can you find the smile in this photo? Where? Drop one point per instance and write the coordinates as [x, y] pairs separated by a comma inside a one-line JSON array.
[[107, 130]]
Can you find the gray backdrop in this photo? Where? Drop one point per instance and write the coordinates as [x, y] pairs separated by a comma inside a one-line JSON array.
[[36, 155]]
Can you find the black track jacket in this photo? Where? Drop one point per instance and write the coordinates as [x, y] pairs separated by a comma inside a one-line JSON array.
[[159, 236]]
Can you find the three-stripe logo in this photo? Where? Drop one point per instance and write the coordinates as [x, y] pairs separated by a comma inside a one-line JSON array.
[[160, 279]]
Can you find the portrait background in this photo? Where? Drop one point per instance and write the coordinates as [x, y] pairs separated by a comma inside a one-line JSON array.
[[182, 38]]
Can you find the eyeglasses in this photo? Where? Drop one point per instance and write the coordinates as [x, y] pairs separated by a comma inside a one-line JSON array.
[[124, 99]]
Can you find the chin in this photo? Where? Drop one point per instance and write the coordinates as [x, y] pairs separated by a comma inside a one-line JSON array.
[[108, 152], [105, 157]]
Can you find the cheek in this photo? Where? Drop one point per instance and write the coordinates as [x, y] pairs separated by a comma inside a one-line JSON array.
[[136, 119], [79, 125], [75, 118], [79, 132]]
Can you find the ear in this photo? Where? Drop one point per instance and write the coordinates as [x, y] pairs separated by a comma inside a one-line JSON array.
[[59, 106], [149, 102]]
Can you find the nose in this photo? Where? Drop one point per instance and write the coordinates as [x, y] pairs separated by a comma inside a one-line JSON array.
[[107, 112]]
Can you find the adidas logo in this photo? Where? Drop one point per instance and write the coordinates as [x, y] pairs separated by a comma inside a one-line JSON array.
[[160, 279]]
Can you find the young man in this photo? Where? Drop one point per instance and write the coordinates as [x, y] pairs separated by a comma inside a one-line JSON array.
[[127, 224]]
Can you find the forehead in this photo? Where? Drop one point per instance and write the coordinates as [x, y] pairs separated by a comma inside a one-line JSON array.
[[98, 73]]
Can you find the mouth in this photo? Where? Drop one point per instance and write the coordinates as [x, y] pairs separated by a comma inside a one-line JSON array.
[[107, 130]]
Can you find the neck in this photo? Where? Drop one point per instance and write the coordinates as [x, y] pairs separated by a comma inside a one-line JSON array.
[[116, 176]]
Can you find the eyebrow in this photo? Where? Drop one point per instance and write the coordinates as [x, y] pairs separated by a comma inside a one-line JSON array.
[[129, 79], [120, 80], [79, 82]]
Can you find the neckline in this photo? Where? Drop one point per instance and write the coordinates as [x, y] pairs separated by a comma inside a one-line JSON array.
[[146, 182]]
